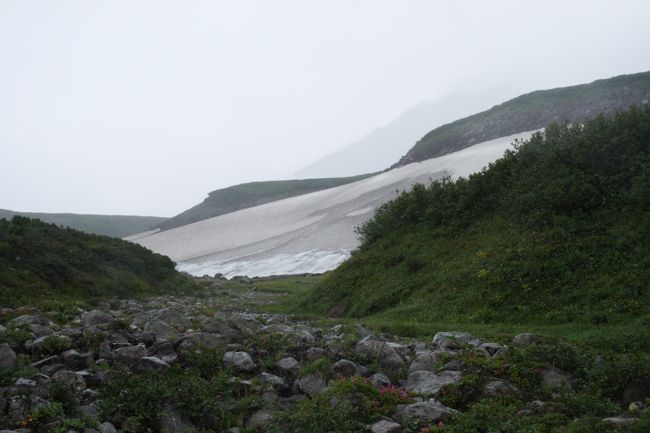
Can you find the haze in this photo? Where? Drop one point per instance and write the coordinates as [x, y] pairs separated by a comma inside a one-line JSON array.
[[142, 107]]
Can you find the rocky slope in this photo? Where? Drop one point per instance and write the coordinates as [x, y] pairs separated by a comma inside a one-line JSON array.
[[170, 364]]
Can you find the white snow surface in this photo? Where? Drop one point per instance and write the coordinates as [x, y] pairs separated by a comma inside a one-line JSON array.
[[311, 233]]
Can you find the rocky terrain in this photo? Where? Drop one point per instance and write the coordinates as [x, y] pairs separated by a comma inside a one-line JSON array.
[[146, 365]]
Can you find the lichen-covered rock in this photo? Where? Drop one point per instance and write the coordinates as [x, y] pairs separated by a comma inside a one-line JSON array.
[[454, 340], [288, 365], [150, 363], [70, 378], [96, 318], [344, 368]]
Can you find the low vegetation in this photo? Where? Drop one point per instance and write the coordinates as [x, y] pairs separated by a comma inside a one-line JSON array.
[[41, 262], [556, 232], [118, 226]]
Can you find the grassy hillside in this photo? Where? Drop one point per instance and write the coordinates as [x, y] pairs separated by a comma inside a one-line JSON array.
[[117, 226], [534, 111], [40, 261], [557, 231], [234, 198]]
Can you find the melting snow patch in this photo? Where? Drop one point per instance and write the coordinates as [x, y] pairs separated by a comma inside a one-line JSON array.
[[308, 262]]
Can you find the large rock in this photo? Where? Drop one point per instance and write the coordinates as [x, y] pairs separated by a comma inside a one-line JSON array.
[[383, 353], [199, 340], [129, 355], [454, 340], [428, 383], [525, 339], [161, 330], [500, 388], [106, 427], [239, 361], [7, 356], [311, 384], [96, 318], [423, 413], [426, 361], [26, 320]]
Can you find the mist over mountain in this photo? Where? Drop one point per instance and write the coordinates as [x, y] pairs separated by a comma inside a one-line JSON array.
[[380, 148]]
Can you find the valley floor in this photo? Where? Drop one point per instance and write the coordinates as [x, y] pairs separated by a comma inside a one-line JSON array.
[[248, 356]]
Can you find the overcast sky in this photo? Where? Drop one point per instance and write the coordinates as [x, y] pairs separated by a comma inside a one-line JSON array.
[[143, 107]]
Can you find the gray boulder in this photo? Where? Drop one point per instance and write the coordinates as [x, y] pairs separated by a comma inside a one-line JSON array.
[[428, 383], [198, 340], [288, 365], [384, 353], [426, 361], [239, 361], [556, 379], [96, 318], [423, 413], [129, 355], [311, 384]]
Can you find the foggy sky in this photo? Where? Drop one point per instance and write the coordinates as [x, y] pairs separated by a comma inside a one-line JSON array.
[[143, 107]]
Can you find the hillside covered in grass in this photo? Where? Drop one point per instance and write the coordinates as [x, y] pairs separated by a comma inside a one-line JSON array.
[[39, 261], [234, 198], [533, 111], [556, 231], [117, 226]]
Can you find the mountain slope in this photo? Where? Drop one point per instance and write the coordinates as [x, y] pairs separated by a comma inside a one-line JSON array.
[[308, 233], [117, 226], [39, 260], [557, 231], [234, 198], [533, 111]]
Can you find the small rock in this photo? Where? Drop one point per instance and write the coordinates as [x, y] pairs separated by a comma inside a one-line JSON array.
[[385, 426], [556, 379], [423, 413], [7, 356], [344, 368], [426, 361], [379, 380], [386, 355], [288, 365], [620, 422], [525, 339], [259, 419], [454, 340], [150, 363]]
